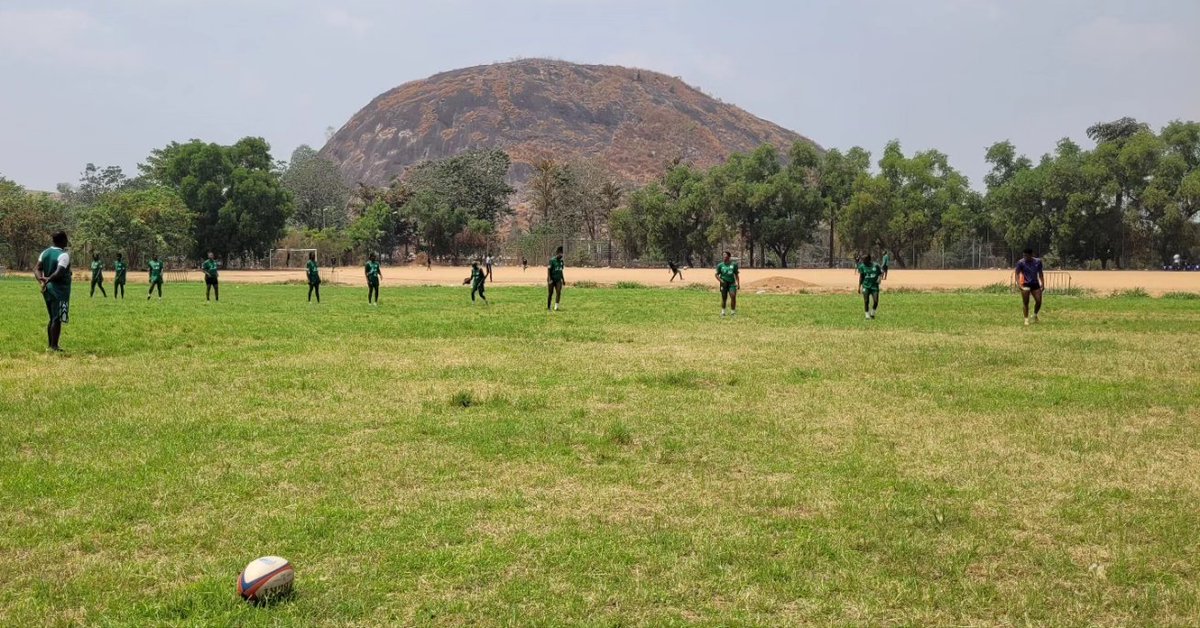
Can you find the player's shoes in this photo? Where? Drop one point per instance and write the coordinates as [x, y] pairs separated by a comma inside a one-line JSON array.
[[868, 315], [722, 313], [1035, 318], [1027, 321]]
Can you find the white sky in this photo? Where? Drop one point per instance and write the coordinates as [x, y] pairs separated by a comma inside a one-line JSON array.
[[106, 81]]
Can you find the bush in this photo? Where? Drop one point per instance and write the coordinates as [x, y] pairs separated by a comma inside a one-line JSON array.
[[585, 284], [1183, 296], [630, 285], [1131, 293]]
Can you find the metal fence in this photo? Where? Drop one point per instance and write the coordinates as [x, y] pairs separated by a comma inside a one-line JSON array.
[[1056, 281]]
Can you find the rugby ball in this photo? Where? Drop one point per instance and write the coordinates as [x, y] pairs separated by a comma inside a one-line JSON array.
[[265, 578]]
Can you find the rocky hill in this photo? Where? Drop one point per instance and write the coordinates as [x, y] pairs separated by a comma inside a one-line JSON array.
[[635, 121]]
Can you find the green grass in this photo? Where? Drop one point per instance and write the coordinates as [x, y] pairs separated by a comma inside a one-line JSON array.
[[632, 459]]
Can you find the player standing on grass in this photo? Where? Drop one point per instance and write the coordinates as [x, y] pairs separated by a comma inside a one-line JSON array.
[[886, 259], [869, 274], [371, 269], [727, 274], [119, 269], [476, 280], [675, 272], [488, 264], [210, 277], [53, 274], [1032, 281], [97, 276], [554, 279], [314, 277], [156, 276]]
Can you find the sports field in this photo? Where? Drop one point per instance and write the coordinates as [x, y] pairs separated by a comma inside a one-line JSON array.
[[633, 459]]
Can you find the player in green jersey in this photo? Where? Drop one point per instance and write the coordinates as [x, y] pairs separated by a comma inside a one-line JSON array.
[[886, 259], [869, 274], [727, 274], [209, 267], [119, 269], [478, 281], [314, 277], [97, 276], [156, 276], [371, 269], [554, 279], [53, 274]]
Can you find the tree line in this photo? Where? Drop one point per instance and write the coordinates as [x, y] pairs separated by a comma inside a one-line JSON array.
[[1131, 200]]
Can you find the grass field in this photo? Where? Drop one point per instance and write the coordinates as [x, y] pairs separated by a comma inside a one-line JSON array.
[[632, 459]]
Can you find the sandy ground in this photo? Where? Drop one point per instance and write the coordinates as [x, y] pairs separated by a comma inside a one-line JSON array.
[[753, 280]]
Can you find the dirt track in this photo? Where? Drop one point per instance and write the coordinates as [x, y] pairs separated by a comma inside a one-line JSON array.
[[753, 280]]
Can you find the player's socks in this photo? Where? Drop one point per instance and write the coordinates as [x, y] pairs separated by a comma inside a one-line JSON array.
[[1027, 320]]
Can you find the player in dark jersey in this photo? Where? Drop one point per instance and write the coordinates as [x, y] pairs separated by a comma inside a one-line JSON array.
[[554, 279], [210, 277], [730, 280], [371, 269], [869, 274], [97, 276], [477, 281], [675, 272], [156, 277], [314, 277], [53, 274], [119, 270], [1032, 281]]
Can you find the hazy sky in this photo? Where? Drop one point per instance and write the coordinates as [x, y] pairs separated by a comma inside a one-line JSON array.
[[106, 81]]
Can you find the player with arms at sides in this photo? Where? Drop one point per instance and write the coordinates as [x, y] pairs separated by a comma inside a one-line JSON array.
[[314, 277], [869, 274], [97, 276], [210, 277], [1032, 281], [554, 279], [53, 274], [477, 281], [156, 276], [727, 275], [886, 260], [119, 269], [487, 263], [675, 272], [524, 264], [371, 270]]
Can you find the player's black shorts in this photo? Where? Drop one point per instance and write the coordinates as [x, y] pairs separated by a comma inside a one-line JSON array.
[[1032, 286], [210, 281]]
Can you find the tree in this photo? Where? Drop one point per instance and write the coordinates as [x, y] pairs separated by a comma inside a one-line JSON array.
[[837, 175], [94, 183], [735, 194], [901, 209], [474, 181], [240, 206], [1116, 131], [318, 191], [137, 223], [26, 222], [792, 203]]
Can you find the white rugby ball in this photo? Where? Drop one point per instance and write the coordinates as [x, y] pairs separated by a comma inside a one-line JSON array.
[[265, 578]]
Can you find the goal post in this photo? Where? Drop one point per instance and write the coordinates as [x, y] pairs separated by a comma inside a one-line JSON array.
[[289, 258]]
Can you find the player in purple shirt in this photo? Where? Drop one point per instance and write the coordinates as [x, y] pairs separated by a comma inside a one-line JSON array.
[[1032, 281]]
